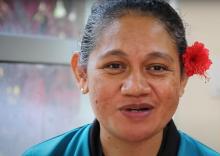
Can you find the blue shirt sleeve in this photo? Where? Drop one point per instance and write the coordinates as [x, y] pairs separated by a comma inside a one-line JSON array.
[[73, 143], [191, 147]]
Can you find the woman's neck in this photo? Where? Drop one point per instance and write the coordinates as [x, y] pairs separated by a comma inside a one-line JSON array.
[[113, 146]]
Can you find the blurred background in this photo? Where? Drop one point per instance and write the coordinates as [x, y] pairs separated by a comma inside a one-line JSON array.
[[38, 96]]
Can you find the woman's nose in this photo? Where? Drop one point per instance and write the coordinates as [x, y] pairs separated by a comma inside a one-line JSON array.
[[135, 85]]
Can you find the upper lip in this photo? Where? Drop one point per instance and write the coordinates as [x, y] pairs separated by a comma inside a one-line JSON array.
[[136, 106]]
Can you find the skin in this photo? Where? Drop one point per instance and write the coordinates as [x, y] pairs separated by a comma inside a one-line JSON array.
[[135, 62]]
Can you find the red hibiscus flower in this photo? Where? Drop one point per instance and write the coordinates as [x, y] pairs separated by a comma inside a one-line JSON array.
[[196, 59]]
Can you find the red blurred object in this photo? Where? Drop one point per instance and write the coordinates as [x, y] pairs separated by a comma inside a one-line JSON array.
[[37, 18], [196, 59]]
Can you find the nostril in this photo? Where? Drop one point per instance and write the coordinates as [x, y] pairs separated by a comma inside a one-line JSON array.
[[135, 88]]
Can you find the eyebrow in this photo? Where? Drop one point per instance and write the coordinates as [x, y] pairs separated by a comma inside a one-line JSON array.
[[157, 54], [116, 52], [152, 55]]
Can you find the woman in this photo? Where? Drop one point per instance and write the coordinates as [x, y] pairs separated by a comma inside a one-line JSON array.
[[133, 65]]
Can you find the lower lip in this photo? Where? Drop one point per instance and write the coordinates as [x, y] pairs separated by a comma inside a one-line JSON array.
[[136, 115]]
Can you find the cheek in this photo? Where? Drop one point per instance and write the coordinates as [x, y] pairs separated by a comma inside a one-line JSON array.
[[168, 94], [101, 94]]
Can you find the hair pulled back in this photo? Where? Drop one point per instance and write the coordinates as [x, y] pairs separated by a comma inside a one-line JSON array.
[[104, 12]]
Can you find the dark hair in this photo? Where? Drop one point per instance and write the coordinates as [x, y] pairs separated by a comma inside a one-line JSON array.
[[104, 12]]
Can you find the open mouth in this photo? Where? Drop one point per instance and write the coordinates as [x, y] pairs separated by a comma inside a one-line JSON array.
[[136, 108], [136, 112]]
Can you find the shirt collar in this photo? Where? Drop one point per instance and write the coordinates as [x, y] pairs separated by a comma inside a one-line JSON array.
[[169, 145]]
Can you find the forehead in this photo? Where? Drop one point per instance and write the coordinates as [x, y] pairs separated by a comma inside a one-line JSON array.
[[134, 34]]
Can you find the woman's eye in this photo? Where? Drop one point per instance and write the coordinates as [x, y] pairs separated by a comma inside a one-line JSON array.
[[114, 68], [157, 69]]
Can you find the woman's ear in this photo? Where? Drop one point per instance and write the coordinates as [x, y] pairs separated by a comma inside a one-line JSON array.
[[184, 80], [79, 73]]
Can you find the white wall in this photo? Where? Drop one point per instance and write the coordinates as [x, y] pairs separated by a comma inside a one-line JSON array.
[[199, 110], [36, 49]]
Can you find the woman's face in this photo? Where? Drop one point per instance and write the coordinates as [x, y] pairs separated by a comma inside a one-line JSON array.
[[134, 78]]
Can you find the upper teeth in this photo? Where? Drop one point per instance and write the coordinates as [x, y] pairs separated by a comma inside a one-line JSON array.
[[137, 109]]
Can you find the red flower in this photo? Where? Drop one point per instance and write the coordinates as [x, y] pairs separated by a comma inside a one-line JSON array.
[[196, 59]]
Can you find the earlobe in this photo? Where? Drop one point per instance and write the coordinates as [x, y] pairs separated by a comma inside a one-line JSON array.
[[184, 81], [79, 73], [83, 85], [181, 92]]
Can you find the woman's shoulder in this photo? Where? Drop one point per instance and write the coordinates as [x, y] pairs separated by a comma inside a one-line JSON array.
[[61, 144], [191, 146]]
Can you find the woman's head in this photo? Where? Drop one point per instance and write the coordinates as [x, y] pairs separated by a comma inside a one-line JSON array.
[[104, 12], [132, 67]]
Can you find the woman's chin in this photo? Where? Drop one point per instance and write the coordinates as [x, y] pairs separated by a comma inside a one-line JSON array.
[[136, 134]]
